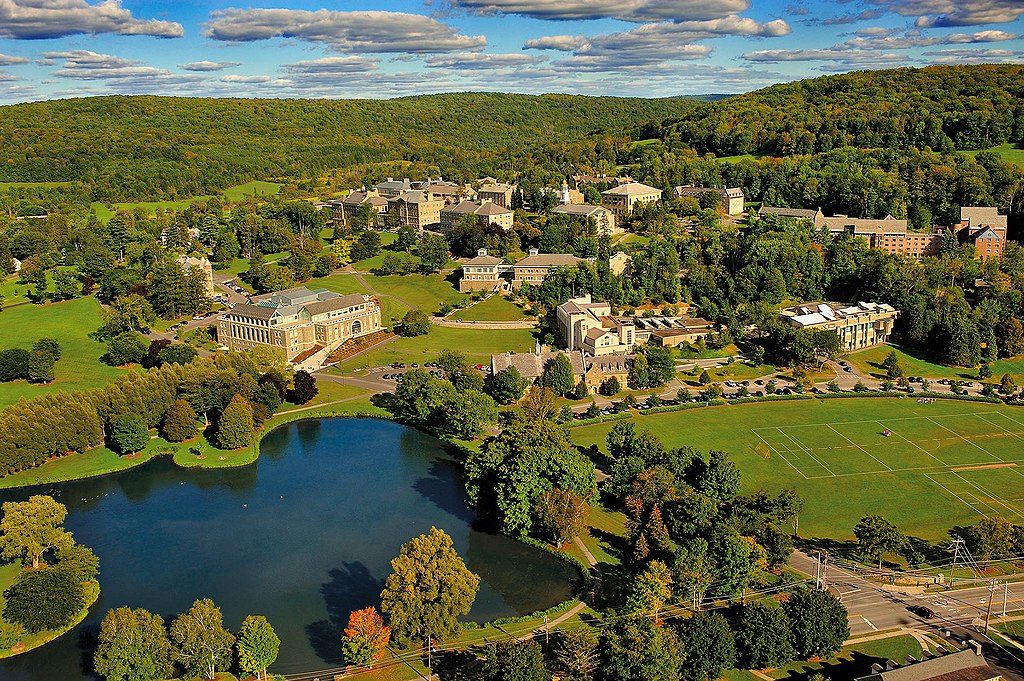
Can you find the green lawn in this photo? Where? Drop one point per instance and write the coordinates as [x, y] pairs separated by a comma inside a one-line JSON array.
[[737, 371], [854, 660], [491, 309], [70, 323], [236, 193], [870, 362], [948, 462], [1009, 151], [477, 344], [398, 293], [8, 573]]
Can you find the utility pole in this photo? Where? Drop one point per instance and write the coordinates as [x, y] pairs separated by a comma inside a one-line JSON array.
[[430, 670], [955, 548], [1006, 593], [547, 631], [988, 613], [817, 572]]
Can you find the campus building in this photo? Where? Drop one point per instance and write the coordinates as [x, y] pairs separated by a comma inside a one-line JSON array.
[[858, 326], [481, 273], [344, 208], [732, 199], [417, 209], [202, 265], [622, 199], [603, 218], [982, 227], [535, 267], [964, 665], [485, 211], [498, 193], [303, 323], [531, 364]]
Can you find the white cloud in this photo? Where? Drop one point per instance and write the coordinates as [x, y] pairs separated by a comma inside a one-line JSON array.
[[206, 66], [480, 60], [651, 44], [980, 37], [955, 12], [332, 65], [352, 32], [39, 19], [968, 56], [119, 74], [834, 59], [7, 60], [626, 10]]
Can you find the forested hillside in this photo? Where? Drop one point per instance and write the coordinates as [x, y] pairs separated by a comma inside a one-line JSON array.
[[146, 148], [942, 108]]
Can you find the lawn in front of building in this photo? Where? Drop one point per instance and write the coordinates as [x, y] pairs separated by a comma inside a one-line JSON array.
[[477, 344], [494, 308]]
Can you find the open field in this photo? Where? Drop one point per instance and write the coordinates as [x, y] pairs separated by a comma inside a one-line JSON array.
[[870, 362], [398, 293], [1009, 152], [70, 323], [492, 309], [236, 193], [478, 345], [944, 463]]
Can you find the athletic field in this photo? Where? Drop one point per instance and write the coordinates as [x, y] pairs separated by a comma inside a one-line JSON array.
[[924, 465]]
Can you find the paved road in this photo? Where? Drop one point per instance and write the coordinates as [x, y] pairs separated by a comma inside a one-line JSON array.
[[959, 613]]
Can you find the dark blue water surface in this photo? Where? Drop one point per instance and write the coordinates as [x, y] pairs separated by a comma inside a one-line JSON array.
[[303, 536]]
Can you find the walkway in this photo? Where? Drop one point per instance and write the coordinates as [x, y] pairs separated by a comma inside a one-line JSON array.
[[579, 607], [493, 326]]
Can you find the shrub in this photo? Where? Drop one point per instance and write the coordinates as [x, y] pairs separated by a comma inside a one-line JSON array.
[[44, 599]]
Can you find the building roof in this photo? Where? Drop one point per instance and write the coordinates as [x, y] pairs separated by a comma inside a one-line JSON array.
[[632, 189], [787, 212], [331, 304], [497, 188], [549, 260], [838, 223], [483, 259], [987, 233], [978, 216], [811, 314], [584, 209], [531, 364], [964, 665], [394, 185], [613, 363], [694, 190], [477, 208], [253, 311], [415, 196]]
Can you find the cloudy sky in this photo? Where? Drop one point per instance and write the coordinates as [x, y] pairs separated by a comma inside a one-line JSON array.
[[384, 48]]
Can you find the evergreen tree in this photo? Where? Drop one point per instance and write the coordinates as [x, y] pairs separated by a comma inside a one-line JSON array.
[[128, 434]]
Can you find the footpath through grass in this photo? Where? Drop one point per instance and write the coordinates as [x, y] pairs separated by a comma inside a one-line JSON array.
[[943, 464], [70, 323]]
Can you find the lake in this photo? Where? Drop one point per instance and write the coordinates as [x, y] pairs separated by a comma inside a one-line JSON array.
[[304, 536]]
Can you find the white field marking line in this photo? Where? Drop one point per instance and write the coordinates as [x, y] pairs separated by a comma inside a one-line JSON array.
[[986, 494], [806, 451], [887, 466], [972, 442], [905, 439], [951, 492], [1008, 432], [873, 627], [769, 446], [894, 418]]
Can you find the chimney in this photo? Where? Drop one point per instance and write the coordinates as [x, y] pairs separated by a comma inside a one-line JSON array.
[[481, 252], [534, 251], [391, 179]]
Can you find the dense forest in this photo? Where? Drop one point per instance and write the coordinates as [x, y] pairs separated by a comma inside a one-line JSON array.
[[149, 148], [941, 108]]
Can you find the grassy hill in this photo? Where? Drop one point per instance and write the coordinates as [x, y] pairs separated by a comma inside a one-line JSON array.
[[164, 148]]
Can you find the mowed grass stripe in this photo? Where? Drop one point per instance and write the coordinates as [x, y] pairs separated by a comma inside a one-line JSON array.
[[771, 444]]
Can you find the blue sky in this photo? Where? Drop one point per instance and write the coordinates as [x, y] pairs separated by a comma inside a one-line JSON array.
[[386, 48]]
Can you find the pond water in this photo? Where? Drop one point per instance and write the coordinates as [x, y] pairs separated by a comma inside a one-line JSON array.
[[303, 536]]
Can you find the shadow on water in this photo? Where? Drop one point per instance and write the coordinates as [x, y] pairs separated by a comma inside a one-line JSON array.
[[351, 583], [442, 488]]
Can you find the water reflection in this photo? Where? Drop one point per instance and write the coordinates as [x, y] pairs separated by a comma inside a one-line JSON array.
[[304, 537]]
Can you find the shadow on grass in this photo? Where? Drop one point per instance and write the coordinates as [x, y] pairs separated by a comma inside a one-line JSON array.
[[843, 669]]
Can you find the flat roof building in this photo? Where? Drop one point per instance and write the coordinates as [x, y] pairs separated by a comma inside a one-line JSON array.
[[858, 326]]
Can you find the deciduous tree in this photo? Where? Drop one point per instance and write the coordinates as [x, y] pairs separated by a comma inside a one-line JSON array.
[[258, 646], [428, 589], [32, 528], [366, 637], [133, 646], [202, 646]]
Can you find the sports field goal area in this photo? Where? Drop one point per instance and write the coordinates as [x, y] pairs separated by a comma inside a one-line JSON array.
[[976, 458]]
